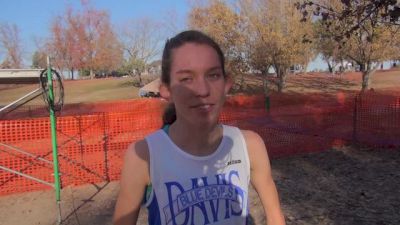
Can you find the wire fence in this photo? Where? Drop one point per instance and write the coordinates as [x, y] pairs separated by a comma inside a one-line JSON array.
[[92, 138]]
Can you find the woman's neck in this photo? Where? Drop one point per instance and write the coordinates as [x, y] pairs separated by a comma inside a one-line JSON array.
[[196, 139]]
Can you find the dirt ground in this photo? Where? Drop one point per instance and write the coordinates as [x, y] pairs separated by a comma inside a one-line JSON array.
[[341, 186]]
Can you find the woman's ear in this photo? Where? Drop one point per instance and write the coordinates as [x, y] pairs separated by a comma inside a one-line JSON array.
[[228, 83], [164, 92]]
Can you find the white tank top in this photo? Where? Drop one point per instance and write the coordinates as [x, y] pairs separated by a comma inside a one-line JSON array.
[[188, 189]]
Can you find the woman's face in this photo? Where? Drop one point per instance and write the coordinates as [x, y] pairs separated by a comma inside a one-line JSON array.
[[197, 85]]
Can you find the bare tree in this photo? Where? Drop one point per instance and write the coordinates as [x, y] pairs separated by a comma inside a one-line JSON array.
[[170, 22], [11, 43], [141, 40]]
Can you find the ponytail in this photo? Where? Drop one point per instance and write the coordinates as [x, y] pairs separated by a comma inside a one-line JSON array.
[[169, 115]]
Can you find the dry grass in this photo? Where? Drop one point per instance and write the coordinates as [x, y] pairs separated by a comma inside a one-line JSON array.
[[123, 88], [387, 80], [77, 91]]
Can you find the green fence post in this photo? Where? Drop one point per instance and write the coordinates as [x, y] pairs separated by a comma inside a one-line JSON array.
[[267, 103], [54, 137]]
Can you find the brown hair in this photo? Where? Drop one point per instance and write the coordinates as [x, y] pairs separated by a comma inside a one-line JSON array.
[[189, 36]]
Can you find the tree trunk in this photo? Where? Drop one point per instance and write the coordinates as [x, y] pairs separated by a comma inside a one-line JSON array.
[[330, 68], [91, 74], [140, 79], [72, 74], [365, 80], [304, 68], [342, 68], [281, 73], [367, 72], [281, 84], [242, 83]]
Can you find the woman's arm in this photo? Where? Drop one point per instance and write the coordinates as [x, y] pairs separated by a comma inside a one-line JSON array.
[[261, 178], [134, 178]]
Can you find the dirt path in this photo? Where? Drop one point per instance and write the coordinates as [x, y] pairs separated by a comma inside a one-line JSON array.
[[338, 187]]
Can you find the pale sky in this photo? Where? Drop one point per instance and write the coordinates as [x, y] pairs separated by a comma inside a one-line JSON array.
[[33, 17]]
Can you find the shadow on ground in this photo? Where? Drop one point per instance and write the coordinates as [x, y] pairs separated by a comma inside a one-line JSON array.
[[341, 187], [336, 187]]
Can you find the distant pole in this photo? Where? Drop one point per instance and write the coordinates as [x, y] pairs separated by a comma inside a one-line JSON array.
[[268, 103], [267, 99], [355, 115], [57, 185]]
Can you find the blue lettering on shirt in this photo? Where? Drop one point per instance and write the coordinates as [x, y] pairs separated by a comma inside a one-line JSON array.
[[184, 203]]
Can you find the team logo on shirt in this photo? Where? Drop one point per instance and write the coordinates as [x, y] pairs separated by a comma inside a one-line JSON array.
[[232, 162], [204, 201]]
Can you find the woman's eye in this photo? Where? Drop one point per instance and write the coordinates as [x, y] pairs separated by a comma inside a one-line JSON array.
[[186, 79], [214, 76]]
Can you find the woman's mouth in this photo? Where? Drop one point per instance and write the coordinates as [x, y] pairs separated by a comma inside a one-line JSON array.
[[203, 107]]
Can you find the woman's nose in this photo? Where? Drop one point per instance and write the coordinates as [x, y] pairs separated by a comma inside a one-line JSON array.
[[201, 88]]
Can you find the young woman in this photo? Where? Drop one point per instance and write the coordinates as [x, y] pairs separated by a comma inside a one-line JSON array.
[[199, 169]]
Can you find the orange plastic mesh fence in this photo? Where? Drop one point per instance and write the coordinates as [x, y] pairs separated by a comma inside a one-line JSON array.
[[377, 120], [31, 136], [91, 146], [36, 111]]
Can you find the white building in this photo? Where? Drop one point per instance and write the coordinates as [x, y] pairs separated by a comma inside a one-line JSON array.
[[19, 76]]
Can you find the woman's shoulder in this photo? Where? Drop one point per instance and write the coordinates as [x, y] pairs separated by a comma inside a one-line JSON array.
[[137, 151], [251, 137], [140, 148], [136, 161], [254, 142]]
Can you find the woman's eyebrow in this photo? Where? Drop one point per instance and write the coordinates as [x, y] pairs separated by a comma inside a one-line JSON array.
[[214, 68], [184, 71]]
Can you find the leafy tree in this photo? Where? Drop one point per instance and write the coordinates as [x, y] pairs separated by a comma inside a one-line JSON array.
[[39, 60], [106, 50], [326, 46], [366, 30], [220, 21], [256, 34], [103, 49], [66, 45], [357, 13], [85, 41], [277, 36]]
